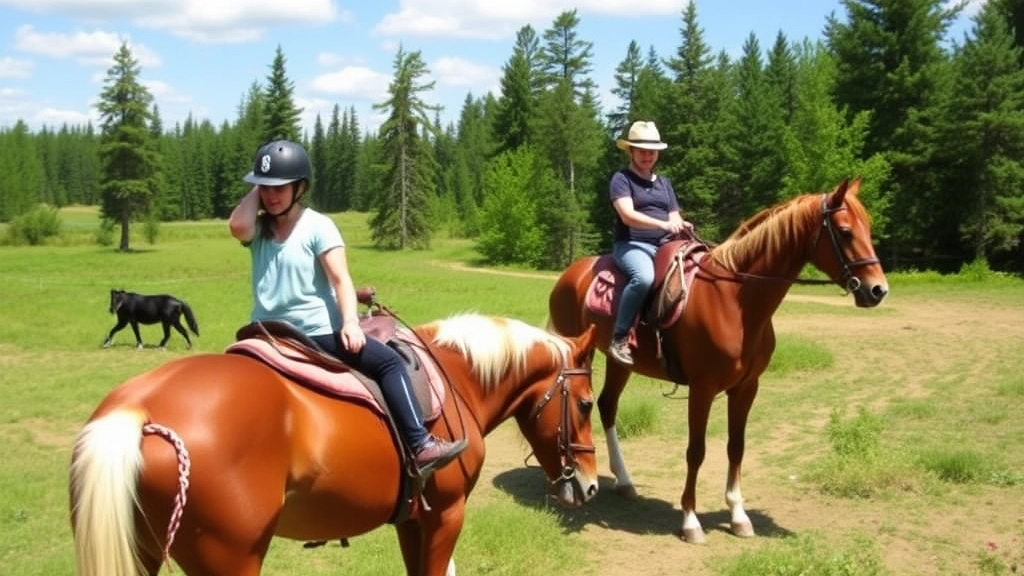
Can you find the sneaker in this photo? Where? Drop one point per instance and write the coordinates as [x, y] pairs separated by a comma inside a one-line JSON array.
[[619, 351], [437, 453]]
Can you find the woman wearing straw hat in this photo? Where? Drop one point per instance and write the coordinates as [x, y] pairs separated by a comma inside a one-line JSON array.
[[646, 215]]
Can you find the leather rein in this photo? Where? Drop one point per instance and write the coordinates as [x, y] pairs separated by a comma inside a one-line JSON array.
[[848, 280]]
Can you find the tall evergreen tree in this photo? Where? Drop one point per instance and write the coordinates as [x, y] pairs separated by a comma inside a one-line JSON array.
[[282, 116], [402, 212], [891, 64], [520, 85], [689, 125], [21, 172], [627, 78], [129, 160], [983, 136]]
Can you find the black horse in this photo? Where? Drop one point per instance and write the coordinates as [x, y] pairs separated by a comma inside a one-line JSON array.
[[132, 308]]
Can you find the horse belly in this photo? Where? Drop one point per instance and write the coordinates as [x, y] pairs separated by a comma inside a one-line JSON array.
[[347, 474]]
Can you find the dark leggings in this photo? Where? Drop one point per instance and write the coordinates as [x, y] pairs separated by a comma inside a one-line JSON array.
[[382, 364]]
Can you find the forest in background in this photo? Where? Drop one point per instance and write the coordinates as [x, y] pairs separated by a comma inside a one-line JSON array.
[[934, 125]]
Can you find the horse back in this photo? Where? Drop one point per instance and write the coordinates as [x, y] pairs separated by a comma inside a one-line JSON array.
[[150, 309]]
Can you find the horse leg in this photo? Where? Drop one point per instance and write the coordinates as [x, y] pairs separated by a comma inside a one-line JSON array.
[[181, 330], [615, 380], [138, 337], [741, 398], [428, 544], [699, 407], [167, 333], [121, 323]]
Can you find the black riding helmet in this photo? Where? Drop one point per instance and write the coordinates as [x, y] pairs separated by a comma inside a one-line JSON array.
[[280, 162]]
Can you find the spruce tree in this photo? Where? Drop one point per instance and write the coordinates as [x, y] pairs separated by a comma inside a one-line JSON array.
[[128, 156]]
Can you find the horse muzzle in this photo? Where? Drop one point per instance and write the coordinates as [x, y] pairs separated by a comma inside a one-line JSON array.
[[572, 491]]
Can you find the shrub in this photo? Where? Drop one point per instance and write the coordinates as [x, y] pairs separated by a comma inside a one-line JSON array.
[[35, 226]]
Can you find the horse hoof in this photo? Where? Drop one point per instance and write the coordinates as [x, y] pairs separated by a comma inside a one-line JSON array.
[[743, 529], [693, 535], [627, 491]]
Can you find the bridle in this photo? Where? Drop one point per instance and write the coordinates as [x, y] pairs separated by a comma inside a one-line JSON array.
[[850, 282], [567, 449]]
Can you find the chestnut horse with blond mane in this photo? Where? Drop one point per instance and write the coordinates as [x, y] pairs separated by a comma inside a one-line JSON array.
[[206, 458], [724, 339]]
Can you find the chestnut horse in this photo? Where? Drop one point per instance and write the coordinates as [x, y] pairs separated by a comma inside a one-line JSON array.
[[208, 457], [724, 339]]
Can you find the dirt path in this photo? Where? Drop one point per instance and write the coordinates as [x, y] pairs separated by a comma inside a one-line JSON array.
[[913, 341]]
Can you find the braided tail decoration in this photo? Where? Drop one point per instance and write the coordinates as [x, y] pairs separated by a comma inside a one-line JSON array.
[[184, 468]]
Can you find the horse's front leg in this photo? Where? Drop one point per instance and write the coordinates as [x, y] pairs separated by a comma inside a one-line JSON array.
[[741, 398], [428, 544], [615, 380], [699, 407]]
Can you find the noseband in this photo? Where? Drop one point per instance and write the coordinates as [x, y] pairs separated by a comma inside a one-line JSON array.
[[566, 448], [850, 282]]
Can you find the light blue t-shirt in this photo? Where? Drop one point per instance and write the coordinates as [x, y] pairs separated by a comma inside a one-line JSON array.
[[288, 282]]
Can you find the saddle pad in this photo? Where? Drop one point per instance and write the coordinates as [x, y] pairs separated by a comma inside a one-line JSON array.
[[345, 385], [604, 291]]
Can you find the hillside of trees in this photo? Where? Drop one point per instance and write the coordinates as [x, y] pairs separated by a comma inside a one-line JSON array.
[[933, 124]]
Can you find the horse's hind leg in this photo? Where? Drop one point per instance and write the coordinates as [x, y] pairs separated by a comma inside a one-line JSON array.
[[181, 330], [167, 333]]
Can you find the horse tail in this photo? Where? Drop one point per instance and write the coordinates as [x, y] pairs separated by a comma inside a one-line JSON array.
[[190, 318], [104, 492]]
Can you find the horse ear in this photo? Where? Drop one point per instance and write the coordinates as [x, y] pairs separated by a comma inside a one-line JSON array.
[[835, 199]]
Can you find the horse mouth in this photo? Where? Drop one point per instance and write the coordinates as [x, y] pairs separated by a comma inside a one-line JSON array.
[[572, 493]]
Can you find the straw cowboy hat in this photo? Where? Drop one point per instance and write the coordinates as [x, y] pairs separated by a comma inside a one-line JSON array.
[[642, 134]]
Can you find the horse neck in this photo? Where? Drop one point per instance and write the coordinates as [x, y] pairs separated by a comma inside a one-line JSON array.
[[517, 395], [775, 248]]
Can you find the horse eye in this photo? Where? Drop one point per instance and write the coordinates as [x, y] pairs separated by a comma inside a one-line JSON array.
[[846, 233], [586, 407]]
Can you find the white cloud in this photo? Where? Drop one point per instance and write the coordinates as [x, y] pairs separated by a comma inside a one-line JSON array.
[[15, 68], [452, 71], [354, 82], [89, 48], [502, 18]]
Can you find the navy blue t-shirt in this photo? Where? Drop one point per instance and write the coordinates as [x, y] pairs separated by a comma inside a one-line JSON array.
[[655, 198]]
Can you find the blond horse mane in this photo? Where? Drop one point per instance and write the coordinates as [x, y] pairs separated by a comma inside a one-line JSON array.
[[495, 347]]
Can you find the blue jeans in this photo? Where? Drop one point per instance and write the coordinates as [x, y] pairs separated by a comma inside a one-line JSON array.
[[636, 260], [382, 364]]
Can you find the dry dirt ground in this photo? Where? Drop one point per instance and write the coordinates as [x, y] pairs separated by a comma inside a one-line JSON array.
[[910, 339]]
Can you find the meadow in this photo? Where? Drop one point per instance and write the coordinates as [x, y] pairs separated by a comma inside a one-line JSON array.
[[885, 441]]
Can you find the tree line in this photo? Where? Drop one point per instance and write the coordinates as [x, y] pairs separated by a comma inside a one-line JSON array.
[[934, 125]]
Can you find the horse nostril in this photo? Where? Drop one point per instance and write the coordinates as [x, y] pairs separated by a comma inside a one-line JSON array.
[[592, 491], [879, 292]]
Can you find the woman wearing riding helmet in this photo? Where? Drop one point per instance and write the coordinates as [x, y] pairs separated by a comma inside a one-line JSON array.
[[300, 274]]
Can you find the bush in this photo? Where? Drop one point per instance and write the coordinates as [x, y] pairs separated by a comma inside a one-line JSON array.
[[35, 226]]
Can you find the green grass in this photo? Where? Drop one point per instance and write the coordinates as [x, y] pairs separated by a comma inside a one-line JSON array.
[[858, 419]]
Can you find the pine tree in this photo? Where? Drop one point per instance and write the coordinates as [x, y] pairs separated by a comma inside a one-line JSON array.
[[402, 212], [282, 116], [129, 160], [520, 85], [983, 132]]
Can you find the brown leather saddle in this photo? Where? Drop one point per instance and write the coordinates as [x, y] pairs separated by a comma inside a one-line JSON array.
[[284, 348], [675, 265]]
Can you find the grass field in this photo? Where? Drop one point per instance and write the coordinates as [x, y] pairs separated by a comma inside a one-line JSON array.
[[901, 424]]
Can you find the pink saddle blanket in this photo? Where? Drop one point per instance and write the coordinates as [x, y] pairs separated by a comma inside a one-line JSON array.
[[345, 384]]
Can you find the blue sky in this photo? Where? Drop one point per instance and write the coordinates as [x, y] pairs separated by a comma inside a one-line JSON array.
[[200, 57]]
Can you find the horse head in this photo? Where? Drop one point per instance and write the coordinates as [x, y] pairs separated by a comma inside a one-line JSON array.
[[558, 426], [847, 253], [117, 298]]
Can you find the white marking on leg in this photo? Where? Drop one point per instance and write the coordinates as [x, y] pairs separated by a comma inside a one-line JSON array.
[[615, 461]]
